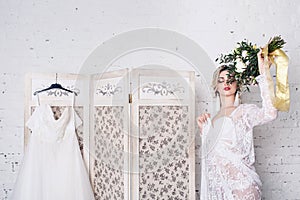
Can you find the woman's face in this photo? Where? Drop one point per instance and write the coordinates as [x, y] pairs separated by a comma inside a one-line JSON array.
[[223, 87]]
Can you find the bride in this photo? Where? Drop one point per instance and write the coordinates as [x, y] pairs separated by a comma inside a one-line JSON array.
[[228, 171]]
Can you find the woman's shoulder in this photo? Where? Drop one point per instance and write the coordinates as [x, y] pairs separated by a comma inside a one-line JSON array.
[[247, 107], [244, 112]]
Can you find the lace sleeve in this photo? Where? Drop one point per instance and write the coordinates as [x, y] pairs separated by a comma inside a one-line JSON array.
[[258, 116]]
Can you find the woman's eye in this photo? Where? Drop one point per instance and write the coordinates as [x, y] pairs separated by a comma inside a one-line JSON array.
[[221, 80]]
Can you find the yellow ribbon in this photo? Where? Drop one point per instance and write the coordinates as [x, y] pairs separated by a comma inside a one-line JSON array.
[[281, 100]]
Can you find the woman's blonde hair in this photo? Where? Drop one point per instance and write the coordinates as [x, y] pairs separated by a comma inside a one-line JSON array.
[[216, 76]]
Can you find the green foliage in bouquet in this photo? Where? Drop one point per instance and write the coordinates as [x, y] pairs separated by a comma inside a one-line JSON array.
[[243, 62]]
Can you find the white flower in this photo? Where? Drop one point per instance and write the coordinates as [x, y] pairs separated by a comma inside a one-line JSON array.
[[244, 53], [237, 45], [240, 66]]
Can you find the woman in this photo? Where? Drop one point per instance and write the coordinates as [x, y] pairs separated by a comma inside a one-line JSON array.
[[228, 153]]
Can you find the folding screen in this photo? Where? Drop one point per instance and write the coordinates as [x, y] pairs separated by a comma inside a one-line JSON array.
[[137, 137], [162, 142], [109, 135]]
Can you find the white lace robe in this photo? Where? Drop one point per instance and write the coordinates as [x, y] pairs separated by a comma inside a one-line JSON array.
[[228, 171]]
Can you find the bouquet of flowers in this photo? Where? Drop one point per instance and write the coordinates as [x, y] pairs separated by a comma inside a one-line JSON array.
[[243, 62]]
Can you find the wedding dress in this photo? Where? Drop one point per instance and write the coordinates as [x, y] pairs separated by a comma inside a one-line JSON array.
[[53, 168], [228, 158]]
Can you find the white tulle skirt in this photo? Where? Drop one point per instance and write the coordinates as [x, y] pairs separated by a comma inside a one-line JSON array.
[[52, 171]]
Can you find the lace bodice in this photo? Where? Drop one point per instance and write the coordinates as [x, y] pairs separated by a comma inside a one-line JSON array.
[[228, 152]]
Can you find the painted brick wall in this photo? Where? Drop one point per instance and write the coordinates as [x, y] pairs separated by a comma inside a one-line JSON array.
[[11, 129], [57, 36]]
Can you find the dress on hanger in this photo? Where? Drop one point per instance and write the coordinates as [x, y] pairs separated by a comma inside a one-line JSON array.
[[228, 171], [53, 168]]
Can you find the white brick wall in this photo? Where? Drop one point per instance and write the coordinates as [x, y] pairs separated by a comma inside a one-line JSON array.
[[57, 36], [11, 129]]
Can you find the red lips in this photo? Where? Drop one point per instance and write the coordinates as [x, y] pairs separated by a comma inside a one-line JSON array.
[[226, 88]]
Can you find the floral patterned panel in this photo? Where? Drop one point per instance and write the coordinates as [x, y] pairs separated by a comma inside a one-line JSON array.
[[57, 111], [108, 177], [163, 148]]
